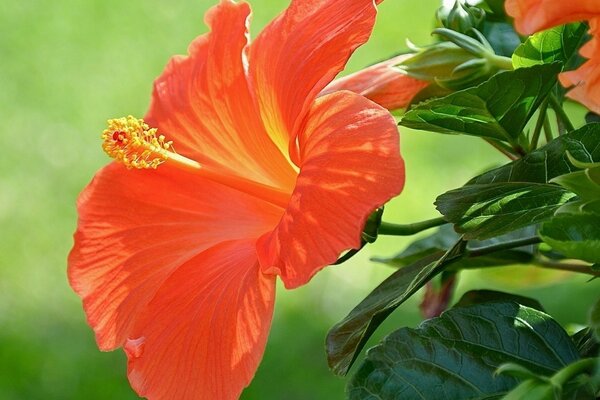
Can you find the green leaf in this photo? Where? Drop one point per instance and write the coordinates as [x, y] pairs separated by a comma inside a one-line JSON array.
[[455, 355], [502, 37], [560, 43], [498, 108], [348, 337], [549, 161], [574, 235], [531, 389], [516, 370], [474, 206], [496, 6], [585, 183], [446, 236], [591, 117], [433, 90], [595, 319], [581, 182], [486, 210], [587, 343], [491, 296]]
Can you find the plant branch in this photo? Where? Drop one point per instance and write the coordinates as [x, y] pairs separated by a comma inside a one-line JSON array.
[[548, 129], [570, 267], [502, 148], [561, 115], [387, 228], [539, 125]]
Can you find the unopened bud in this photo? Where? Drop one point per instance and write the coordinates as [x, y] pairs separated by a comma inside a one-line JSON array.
[[448, 65], [461, 17], [435, 61], [467, 74]]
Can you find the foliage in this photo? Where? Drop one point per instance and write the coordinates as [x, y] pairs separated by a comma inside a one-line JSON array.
[[542, 208], [539, 209], [451, 357]]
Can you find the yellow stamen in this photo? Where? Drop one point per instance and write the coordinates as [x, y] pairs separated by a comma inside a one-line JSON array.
[[131, 141]]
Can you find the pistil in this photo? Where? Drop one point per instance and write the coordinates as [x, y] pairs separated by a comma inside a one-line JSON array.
[[138, 146]]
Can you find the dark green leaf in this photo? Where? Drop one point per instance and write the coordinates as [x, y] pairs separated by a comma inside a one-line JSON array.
[[486, 210], [595, 319], [549, 161], [498, 108], [496, 6], [455, 355], [502, 37], [430, 91], [587, 344], [574, 235], [445, 237], [560, 43], [592, 117], [491, 296], [347, 337]]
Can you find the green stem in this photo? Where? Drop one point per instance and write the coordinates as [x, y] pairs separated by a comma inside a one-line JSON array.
[[548, 130], [560, 113], [501, 62], [482, 251], [387, 228], [572, 370], [570, 267], [502, 148], [538, 126]]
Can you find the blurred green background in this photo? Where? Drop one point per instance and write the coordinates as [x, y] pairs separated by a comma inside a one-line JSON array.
[[65, 67]]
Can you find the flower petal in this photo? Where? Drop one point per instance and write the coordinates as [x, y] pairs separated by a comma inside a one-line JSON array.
[[585, 80], [136, 227], [203, 335], [299, 53], [382, 83], [350, 165], [203, 103], [536, 15]]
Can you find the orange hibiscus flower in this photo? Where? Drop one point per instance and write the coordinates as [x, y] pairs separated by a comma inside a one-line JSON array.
[[382, 83], [176, 257], [536, 15]]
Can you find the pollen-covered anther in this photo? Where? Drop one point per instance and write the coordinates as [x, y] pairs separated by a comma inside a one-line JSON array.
[[131, 141]]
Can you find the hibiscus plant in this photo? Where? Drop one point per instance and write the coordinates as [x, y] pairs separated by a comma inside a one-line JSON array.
[[253, 163]]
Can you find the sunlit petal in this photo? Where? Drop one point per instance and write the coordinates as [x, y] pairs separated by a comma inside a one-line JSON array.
[[137, 227], [338, 187], [203, 335], [299, 53]]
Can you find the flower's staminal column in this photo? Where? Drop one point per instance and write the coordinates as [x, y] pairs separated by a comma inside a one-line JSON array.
[[132, 142]]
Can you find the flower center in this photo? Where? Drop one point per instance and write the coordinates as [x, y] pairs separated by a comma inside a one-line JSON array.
[[132, 142]]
